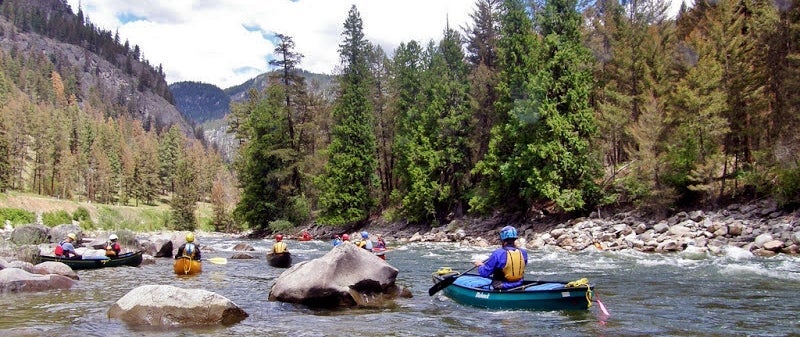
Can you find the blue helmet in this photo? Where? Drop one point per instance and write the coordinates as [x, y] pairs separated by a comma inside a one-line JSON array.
[[364, 234], [508, 232]]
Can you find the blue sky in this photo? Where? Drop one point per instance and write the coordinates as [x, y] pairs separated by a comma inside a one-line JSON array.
[[226, 42]]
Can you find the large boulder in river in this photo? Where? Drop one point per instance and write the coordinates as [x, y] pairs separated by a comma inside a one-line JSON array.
[[169, 306], [346, 276], [52, 267], [30, 235], [17, 280], [59, 233]]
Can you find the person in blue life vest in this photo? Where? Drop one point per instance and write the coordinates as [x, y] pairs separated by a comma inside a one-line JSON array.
[[365, 242], [279, 247], [65, 248], [506, 265], [189, 249], [337, 240]]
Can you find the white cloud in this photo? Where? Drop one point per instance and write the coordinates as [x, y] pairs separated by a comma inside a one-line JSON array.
[[209, 40]]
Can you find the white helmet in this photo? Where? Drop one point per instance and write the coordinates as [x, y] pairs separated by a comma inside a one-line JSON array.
[[113, 237]]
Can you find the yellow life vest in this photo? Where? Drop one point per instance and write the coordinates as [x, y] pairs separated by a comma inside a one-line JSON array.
[[515, 265], [279, 247]]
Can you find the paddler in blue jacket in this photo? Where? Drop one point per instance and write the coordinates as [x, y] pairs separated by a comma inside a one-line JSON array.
[[506, 265]]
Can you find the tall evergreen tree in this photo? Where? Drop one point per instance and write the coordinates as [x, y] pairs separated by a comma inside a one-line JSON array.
[[407, 103], [385, 116], [5, 144], [482, 37], [542, 151], [438, 153], [183, 203], [349, 178], [697, 125], [264, 176], [558, 156], [517, 61], [168, 153]]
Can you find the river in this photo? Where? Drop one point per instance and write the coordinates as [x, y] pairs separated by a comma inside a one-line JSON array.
[[736, 294]]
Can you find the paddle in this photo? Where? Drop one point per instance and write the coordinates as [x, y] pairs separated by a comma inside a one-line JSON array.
[[217, 260], [602, 307], [446, 282]]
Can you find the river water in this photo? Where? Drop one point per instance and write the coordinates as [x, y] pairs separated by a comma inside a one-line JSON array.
[[736, 294]]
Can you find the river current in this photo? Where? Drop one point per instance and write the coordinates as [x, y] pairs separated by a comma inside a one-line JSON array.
[[736, 294]]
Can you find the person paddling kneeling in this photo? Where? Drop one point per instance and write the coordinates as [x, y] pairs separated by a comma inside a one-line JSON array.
[[65, 248], [506, 265], [189, 249], [279, 247]]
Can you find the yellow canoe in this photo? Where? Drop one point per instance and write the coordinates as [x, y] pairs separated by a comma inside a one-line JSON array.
[[184, 266]]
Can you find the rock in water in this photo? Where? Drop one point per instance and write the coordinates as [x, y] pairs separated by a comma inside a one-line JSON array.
[[18, 280], [165, 305], [346, 276]]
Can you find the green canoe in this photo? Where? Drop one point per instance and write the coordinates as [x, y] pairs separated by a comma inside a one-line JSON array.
[[133, 259], [474, 290]]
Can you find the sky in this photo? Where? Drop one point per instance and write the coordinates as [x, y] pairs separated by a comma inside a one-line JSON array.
[[227, 42]]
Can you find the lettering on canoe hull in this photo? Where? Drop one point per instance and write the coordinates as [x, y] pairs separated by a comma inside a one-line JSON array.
[[482, 295], [565, 294]]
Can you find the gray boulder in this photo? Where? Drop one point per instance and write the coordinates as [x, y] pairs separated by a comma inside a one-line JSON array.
[[241, 256], [60, 232], [169, 306], [243, 247], [52, 267], [347, 276], [18, 280], [30, 235]]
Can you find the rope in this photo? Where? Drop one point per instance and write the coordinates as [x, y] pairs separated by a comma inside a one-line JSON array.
[[584, 282]]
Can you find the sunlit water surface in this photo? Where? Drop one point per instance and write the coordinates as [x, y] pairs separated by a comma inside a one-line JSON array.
[[646, 294]]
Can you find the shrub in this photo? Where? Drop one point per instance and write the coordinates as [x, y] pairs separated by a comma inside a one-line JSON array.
[[56, 218], [17, 216], [300, 209], [280, 226], [81, 214], [787, 188]]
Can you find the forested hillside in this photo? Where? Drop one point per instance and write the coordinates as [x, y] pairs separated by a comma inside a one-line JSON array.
[[84, 117], [533, 108], [200, 102], [528, 109]]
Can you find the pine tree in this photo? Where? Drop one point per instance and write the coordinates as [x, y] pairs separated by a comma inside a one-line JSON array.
[[263, 174], [183, 203], [558, 156], [482, 38], [168, 153], [5, 144], [542, 150], [349, 177], [385, 116], [517, 55], [438, 154], [697, 125]]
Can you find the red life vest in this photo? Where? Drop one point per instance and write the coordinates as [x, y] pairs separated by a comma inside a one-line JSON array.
[[59, 250]]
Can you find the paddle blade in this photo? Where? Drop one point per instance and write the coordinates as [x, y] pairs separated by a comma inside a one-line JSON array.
[[218, 260], [442, 284], [603, 308]]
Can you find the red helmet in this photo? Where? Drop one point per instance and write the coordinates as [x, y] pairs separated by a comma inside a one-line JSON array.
[[346, 237], [278, 237]]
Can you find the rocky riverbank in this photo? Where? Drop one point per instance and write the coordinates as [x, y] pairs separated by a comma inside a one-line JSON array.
[[761, 228]]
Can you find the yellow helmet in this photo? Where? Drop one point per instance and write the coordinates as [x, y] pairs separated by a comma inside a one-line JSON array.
[[190, 237], [72, 236]]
